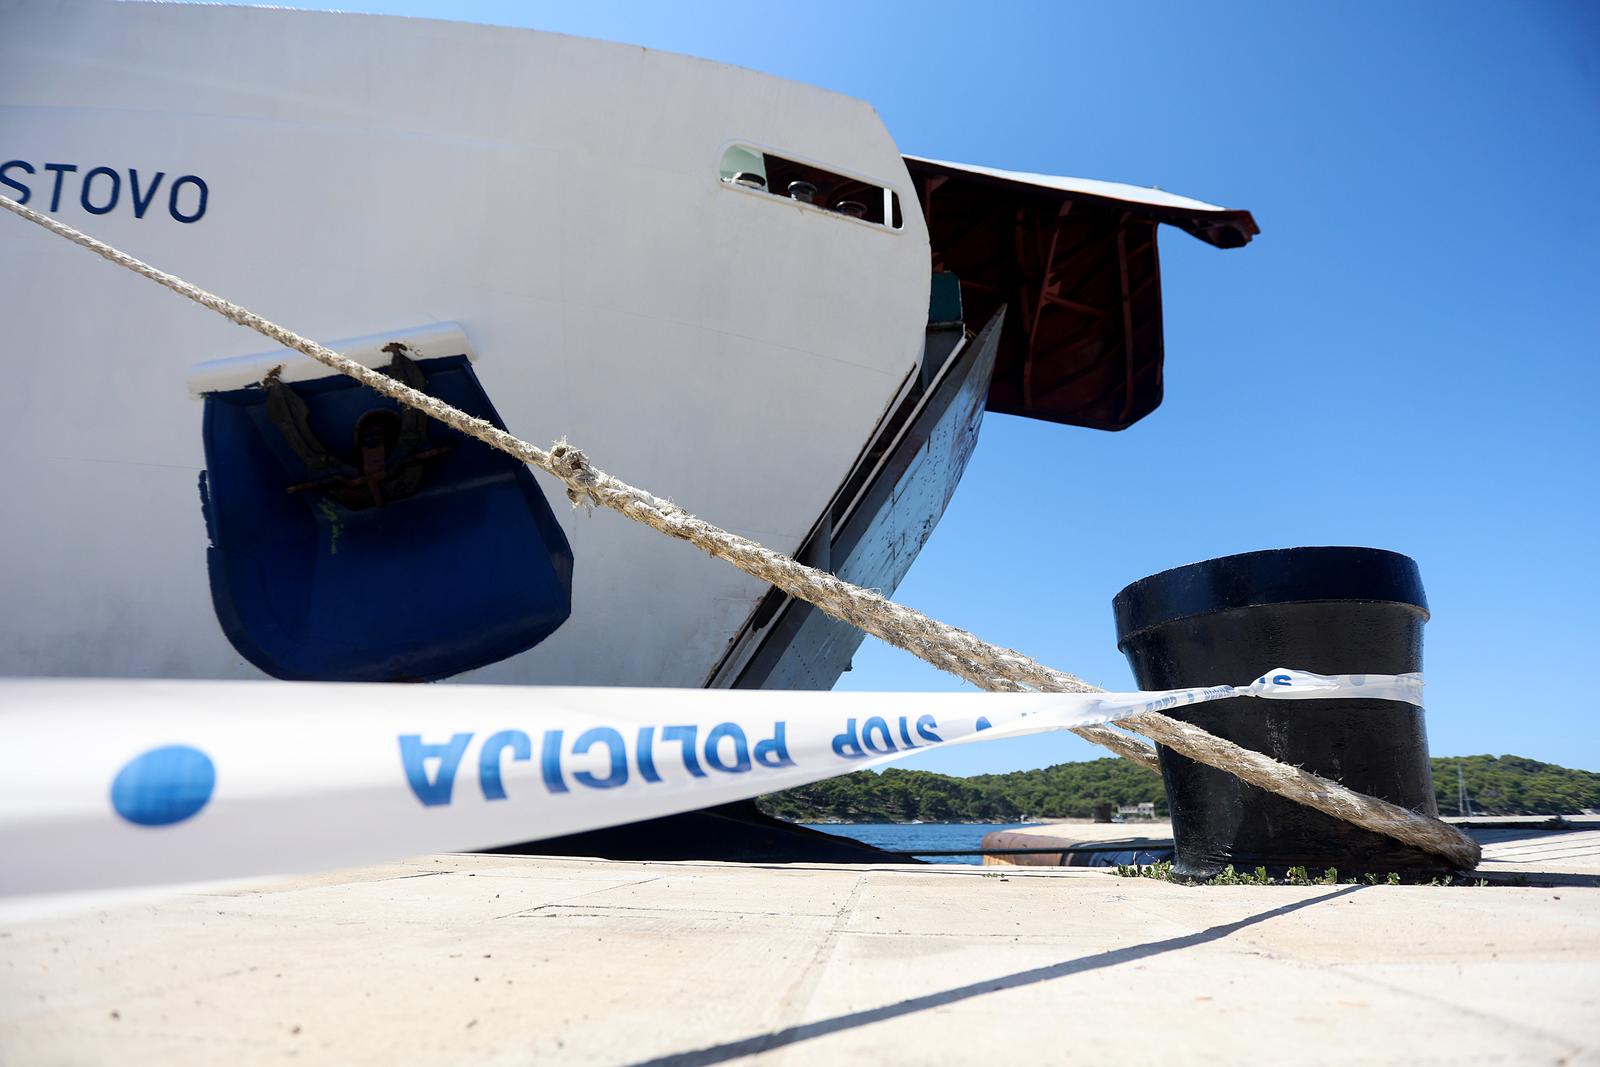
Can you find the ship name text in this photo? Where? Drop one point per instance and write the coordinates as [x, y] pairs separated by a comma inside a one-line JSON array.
[[101, 190]]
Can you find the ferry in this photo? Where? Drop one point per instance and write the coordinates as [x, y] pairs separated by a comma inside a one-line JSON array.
[[734, 290]]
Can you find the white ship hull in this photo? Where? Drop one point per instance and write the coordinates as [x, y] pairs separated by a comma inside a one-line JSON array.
[[556, 210]]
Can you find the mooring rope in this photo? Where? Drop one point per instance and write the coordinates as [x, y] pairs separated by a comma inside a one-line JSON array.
[[956, 651]]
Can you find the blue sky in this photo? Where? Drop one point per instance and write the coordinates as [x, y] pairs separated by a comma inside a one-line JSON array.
[[1406, 357]]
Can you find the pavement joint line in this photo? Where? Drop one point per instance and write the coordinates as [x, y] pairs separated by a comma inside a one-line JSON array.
[[796, 1033], [1429, 998], [1545, 853], [1346, 970], [1034, 938], [678, 910], [919, 870], [568, 900], [800, 995], [1135, 902]]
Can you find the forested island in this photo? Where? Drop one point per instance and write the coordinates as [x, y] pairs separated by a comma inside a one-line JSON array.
[[1496, 785]]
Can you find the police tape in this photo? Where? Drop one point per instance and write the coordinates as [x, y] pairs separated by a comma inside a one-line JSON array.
[[114, 784]]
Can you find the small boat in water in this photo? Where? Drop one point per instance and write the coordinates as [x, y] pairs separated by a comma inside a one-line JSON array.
[[732, 289]]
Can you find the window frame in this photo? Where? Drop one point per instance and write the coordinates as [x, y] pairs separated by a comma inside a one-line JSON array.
[[892, 196]]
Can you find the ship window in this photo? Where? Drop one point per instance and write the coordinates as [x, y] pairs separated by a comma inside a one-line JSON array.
[[758, 171]]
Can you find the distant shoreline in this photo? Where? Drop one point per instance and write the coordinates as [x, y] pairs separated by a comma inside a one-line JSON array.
[[1070, 792]]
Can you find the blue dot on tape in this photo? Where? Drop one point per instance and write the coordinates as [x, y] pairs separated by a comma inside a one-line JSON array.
[[164, 786]]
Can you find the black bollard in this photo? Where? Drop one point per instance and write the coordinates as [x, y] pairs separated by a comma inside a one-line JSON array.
[[1325, 610]]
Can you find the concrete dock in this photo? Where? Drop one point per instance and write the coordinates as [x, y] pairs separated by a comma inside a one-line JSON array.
[[496, 959]]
